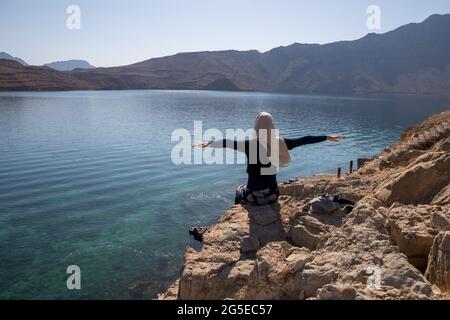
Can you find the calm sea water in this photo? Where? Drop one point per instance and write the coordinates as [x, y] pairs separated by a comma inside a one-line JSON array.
[[86, 177]]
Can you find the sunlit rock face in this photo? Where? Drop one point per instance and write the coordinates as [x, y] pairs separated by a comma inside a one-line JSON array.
[[394, 244]]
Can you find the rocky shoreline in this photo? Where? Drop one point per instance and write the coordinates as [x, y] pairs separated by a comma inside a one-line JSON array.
[[395, 244]]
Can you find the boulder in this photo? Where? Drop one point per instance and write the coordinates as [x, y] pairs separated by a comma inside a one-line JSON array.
[[359, 255], [412, 229], [419, 184], [339, 292], [171, 292], [315, 275], [402, 156], [438, 270], [250, 244], [443, 197], [309, 229], [265, 224], [441, 219], [277, 264], [398, 274], [220, 270], [308, 232]]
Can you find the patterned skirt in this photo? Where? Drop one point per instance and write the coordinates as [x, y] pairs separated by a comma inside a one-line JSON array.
[[261, 198]]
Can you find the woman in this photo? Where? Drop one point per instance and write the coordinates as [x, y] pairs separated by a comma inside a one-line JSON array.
[[262, 186]]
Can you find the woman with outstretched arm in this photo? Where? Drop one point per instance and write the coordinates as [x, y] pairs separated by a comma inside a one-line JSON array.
[[262, 186]]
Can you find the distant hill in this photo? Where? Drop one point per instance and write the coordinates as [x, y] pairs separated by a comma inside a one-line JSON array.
[[69, 65], [414, 58], [7, 56], [16, 77]]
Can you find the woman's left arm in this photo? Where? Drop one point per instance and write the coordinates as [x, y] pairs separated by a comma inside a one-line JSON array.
[[239, 145], [294, 143]]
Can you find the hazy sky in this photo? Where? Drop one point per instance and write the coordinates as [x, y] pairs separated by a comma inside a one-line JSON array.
[[117, 32]]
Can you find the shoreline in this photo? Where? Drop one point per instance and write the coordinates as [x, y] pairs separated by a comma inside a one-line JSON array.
[[338, 95], [282, 251]]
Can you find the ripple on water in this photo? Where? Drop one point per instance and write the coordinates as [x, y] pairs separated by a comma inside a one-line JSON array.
[[86, 177]]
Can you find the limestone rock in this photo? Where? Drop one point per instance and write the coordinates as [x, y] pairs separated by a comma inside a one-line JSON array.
[[357, 261], [401, 275], [316, 275], [278, 263], [402, 157], [413, 230], [399, 227], [309, 229], [250, 244], [265, 223], [171, 293], [443, 145], [418, 184], [443, 197], [441, 219], [438, 270], [338, 292], [307, 236], [219, 268]]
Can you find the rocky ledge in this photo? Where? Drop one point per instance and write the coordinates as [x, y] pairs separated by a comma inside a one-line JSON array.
[[395, 244]]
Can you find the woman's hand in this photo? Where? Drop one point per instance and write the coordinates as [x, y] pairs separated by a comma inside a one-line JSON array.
[[335, 138], [203, 144]]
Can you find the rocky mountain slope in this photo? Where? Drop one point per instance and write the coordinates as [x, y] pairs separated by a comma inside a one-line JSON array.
[[395, 244], [16, 77], [414, 58], [7, 56]]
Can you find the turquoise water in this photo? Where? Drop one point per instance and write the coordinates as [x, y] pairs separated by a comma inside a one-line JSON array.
[[86, 177]]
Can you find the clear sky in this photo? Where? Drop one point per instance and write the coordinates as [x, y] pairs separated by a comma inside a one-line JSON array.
[[115, 32]]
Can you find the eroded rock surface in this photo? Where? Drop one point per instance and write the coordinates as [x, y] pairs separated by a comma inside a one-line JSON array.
[[398, 231], [413, 229], [438, 270]]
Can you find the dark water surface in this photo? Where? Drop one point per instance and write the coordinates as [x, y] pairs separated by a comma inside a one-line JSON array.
[[86, 178]]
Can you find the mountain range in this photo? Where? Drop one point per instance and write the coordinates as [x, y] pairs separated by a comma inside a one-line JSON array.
[[414, 58], [69, 65], [7, 56]]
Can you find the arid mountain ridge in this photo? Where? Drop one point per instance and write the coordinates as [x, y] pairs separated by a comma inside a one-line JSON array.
[[412, 59]]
